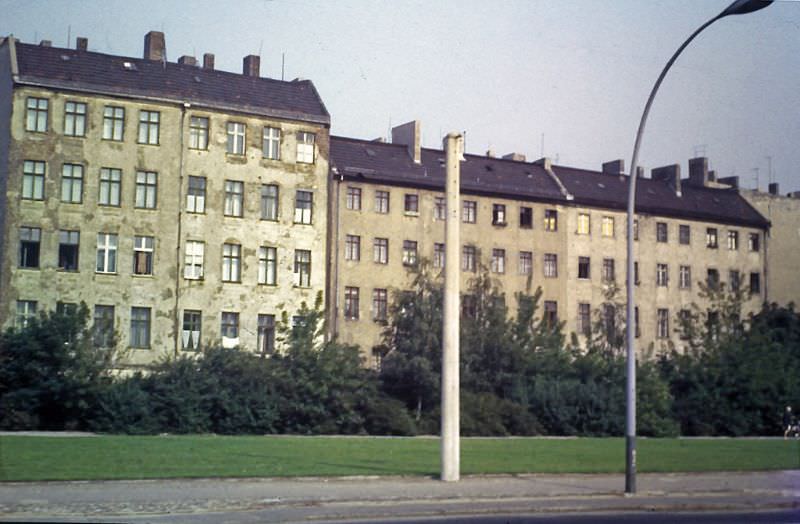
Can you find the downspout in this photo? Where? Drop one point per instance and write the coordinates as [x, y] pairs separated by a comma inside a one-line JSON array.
[[176, 312], [333, 249]]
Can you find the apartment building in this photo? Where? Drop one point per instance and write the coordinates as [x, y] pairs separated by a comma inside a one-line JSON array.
[[534, 224], [184, 205]]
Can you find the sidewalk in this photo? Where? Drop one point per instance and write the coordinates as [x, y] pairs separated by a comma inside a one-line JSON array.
[[284, 500]]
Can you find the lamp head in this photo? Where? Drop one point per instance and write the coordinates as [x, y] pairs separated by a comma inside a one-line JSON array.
[[742, 7]]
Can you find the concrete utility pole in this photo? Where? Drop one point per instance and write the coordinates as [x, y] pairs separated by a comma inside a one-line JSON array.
[[451, 429]]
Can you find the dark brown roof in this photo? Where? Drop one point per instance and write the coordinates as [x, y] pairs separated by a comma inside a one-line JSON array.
[[108, 74], [391, 164], [381, 163]]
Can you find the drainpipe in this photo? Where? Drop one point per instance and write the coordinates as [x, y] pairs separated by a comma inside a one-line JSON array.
[[176, 326]]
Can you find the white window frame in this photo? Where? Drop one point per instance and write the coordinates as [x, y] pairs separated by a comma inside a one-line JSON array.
[[143, 253], [114, 123], [146, 190], [149, 124], [231, 262], [110, 189], [271, 143], [236, 133], [33, 173], [306, 147], [193, 260], [72, 183], [268, 265], [196, 194], [74, 118], [234, 198], [107, 246]]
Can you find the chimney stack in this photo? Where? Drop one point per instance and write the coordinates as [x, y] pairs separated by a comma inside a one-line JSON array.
[[516, 157], [732, 181], [671, 175], [698, 172], [155, 47], [187, 60], [46, 43], [251, 65], [81, 43], [614, 167], [409, 135], [208, 61], [774, 189]]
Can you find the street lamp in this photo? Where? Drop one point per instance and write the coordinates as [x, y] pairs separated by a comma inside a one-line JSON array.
[[739, 7]]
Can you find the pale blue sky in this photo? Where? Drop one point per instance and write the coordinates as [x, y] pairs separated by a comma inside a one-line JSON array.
[[507, 73]]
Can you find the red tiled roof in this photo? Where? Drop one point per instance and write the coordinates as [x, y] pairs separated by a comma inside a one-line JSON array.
[[108, 74]]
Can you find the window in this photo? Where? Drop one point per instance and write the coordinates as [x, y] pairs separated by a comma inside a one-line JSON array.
[[103, 326], [662, 275], [525, 262], [498, 215], [381, 201], [303, 207], [608, 270], [525, 217], [411, 203], [231, 262], [637, 327], [498, 260], [610, 321], [267, 265], [192, 324], [712, 278], [550, 265], [584, 267], [550, 313], [636, 273], [111, 186], [439, 208], [36, 115], [353, 200], [230, 328], [198, 132], [684, 318], [33, 180], [550, 220], [26, 312], [146, 189], [68, 250], [661, 232], [711, 237], [377, 358], [380, 304], [734, 279], [106, 253], [607, 226], [584, 224], [662, 325], [755, 283], [113, 123], [352, 248], [351, 303], [29, 243], [468, 257], [74, 119], [305, 147], [754, 242], [584, 319], [236, 135], [72, 183], [193, 260], [380, 250], [148, 127], [733, 240], [685, 281], [143, 255], [409, 252], [684, 234], [302, 267], [196, 197], [140, 327], [266, 334], [469, 306], [271, 147], [269, 202], [636, 229], [469, 211], [438, 255], [234, 198]]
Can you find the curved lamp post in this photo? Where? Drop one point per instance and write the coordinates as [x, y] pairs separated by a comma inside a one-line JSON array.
[[739, 7]]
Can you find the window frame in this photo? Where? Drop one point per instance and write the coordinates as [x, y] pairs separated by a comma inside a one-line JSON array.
[[306, 147], [302, 267], [411, 203], [712, 238], [525, 263], [33, 178], [107, 253], [439, 208], [196, 188], [353, 198], [382, 201], [113, 123], [72, 183], [303, 208], [143, 255], [607, 227], [609, 270], [149, 127], [270, 202], [684, 234], [499, 215], [662, 275], [469, 255], [146, 196], [498, 262], [75, 119], [584, 268], [103, 325], [236, 138], [662, 232], [469, 211], [190, 337], [265, 341], [231, 263], [141, 325], [69, 250], [550, 218], [351, 303], [380, 304], [550, 265], [194, 260], [410, 252], [584, 225], [352, 248], [685, 277], [30, 247], [271, 143], [380, 250], [199, 127], [234, 199], [37, 117], [268, 265], [110, 179]]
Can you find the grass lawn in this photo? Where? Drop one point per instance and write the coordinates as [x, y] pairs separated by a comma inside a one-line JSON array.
[[126, 457]]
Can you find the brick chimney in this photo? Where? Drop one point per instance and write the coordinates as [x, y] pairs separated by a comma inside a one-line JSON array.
[[208, 61], [409, 135], [614, 167], [81, 43], [251, 65], [516, 157], [187, 60], [698, 172], [155, 47], [671, 175]]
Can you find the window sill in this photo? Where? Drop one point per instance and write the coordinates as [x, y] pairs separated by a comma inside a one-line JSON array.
[[499, 224], [411, 213], [142, 275]]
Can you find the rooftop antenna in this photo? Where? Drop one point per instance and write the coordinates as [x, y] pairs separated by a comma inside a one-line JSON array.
[[69, 34], [755, 170], [769, 167], [542, 148], [283, 63], [260, 47]]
